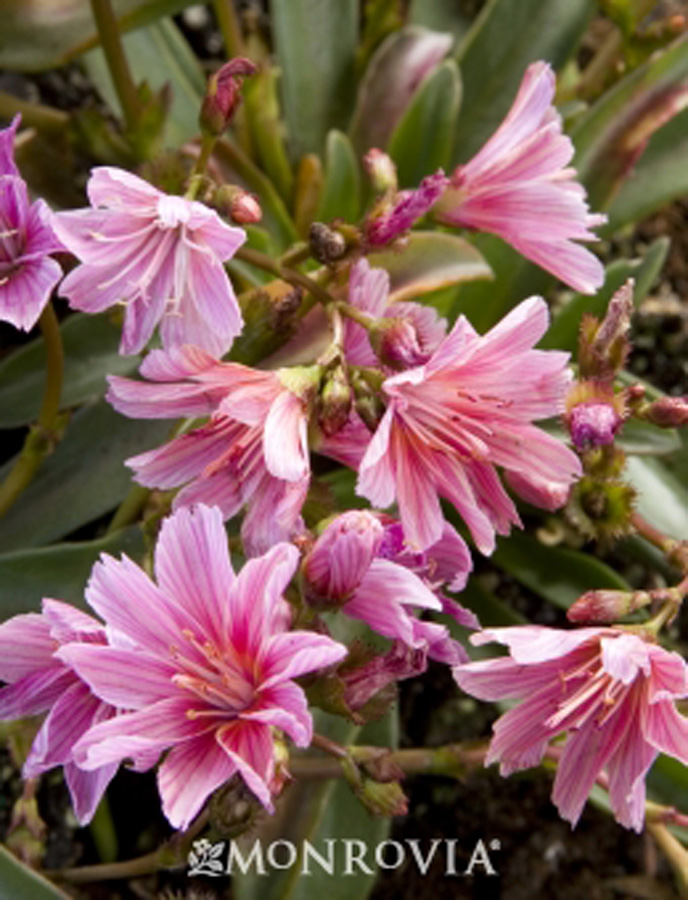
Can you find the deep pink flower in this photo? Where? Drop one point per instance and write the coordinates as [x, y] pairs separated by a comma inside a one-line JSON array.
[[609, 689], [361, 563], [210, 665], [27, 273], [39, 681], [593, 424], [407, 208], [519, 186], [158, 254], [254, 449], [470, 408]]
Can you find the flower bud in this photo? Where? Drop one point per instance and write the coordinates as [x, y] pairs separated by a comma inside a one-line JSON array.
[[540, 492], [342, 555], [604, 346], [593, 424], [363, 683], [395, 341], [381, 170], [222, 95], [327, 244], [238, 204], [603, 607], [336, 399], [668, 412]]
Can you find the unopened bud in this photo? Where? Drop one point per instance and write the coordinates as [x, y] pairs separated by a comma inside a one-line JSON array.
[[604, 346], [367, 681], [222, 95], [593, 424], [336, 400], [668, 412], [541, 492], [381, 171], [396, 343], [342, 555], [603, 607], [327, 244], [383, 798], [233, 808], [238, 204]]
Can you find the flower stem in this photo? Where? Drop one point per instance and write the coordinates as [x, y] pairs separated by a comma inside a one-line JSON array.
[[230, 27], [43, 436], [111, 42], [34, 115], [268, 264], [675, 853], [128, 511]]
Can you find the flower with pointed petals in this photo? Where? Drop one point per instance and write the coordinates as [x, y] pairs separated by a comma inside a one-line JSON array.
[[361, 564], [209, 667], [27, 273], [253, 450], [609, 689], [521, 188], [39, 681], [470, 408], [158, 254]]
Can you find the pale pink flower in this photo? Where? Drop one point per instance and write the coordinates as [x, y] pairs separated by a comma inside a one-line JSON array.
[[360, 563], [609, 689], [39, 681], [158, 254], [27, 273], [470, 408], [520, 186], [253, 450], [209, 669]]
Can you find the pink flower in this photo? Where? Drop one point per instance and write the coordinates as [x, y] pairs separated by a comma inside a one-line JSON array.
[[27, 273], [39, 681], [361, 564], [254, 449], [470, 408], [209, 667], [609, 689], [160, 255], [519, 187]]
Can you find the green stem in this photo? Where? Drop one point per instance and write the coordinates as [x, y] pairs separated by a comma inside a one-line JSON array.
[[34, 115], [130, 508], [268, 264], [675, 854], [228, 20], [42, 437], [111, 42], [351, 312]]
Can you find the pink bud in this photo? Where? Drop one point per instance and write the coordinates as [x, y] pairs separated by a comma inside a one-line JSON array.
[[245, 208], [222, 95], [381, 170], [364, 682], [540, 492], [396, 343], [593, 424], [602, 607], [342, 555], [668, 412]]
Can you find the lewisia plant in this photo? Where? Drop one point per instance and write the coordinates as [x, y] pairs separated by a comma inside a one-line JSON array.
[[355, 423]]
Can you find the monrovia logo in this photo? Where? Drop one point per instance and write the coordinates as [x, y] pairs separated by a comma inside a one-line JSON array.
[[337, 856]]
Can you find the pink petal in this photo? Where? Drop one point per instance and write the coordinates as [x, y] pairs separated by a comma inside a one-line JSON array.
[[293, 653], [534, 644], [87, 788], [283, 706], [25, 645], [250, 747], [666, 729], [285, 438]]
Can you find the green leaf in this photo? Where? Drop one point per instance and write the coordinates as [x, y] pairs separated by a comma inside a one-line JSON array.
[[515, 278], [341, 190], [159, 55], [563, 332], [397, 68], [505, 38], [315, 44], [658, 178], [611, 136], [430, 260], [491, 610], [19, 882], [83, 479], [90, 347], [557, 574], [42, 34], [263, 115], [60, 571], [440, 16], [639, 438], [318, 811], [433, 111], [662, 498]]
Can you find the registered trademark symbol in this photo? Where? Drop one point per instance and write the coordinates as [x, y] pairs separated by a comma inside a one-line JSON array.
[[495, 844]]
